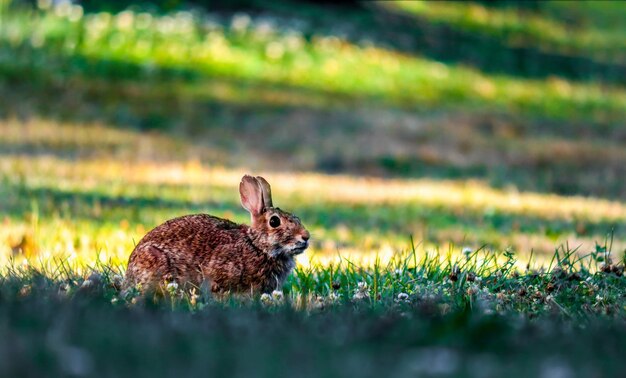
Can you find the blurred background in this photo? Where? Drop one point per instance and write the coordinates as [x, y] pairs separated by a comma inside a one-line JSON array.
[[458, 124]]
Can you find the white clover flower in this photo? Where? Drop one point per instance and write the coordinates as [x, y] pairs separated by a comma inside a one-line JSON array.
[[63, 8], [278, 296], [124, 20], [467, 251], [240, 22], [172, 286], [319, 303], [361, 291], [263, 29], [75, 13], [266, 299], [274, 50], [334, 297], [360, 295], [403, 297], [294, 41]]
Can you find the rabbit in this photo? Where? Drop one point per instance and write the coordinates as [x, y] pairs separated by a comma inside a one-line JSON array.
[[230, 257]]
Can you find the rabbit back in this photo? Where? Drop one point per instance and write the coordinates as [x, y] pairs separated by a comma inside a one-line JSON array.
[[177, 249]]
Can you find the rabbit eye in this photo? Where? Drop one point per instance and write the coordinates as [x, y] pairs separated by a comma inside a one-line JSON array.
[[274, 221]]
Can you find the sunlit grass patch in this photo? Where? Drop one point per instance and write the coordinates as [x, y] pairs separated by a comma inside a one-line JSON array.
[[135, 45], [96, 210]]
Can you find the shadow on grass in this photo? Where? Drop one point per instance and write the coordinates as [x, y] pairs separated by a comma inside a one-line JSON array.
[[274, 126], [47, 335], [490, 54]]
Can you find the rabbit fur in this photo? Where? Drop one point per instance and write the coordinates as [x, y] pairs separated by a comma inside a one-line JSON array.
[[230, 257]]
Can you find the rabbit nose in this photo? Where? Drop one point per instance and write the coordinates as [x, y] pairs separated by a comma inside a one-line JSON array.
[[306, 236]]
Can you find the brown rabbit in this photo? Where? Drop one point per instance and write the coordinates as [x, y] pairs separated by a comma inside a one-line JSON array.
[[231, 257]]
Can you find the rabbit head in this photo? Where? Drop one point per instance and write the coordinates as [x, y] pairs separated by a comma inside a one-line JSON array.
[[273, 230]]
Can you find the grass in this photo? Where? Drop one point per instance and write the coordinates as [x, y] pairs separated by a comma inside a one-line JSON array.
[[415, 116], [78, 207], [130, 44], [468, 317], [464, 223], [548, 29]]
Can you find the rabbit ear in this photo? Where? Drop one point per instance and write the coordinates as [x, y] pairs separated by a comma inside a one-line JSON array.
[[251, 195], [267, 191]]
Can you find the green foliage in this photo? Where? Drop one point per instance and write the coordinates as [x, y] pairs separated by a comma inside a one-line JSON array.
[[185, 45], [111, 123], [547, 28], [429, 318]]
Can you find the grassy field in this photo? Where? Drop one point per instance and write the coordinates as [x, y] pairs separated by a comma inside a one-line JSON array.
[[459, 165]]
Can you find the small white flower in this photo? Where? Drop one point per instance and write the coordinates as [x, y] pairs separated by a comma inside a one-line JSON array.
[[398, 272], [274, 50], [360, 295], [403, 297], [334, 297], [361, 291], [278, 296], [318, 303], [172, 286], [240, 22], [266, 299], [599, 298], [124, 20], [467, 251]]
